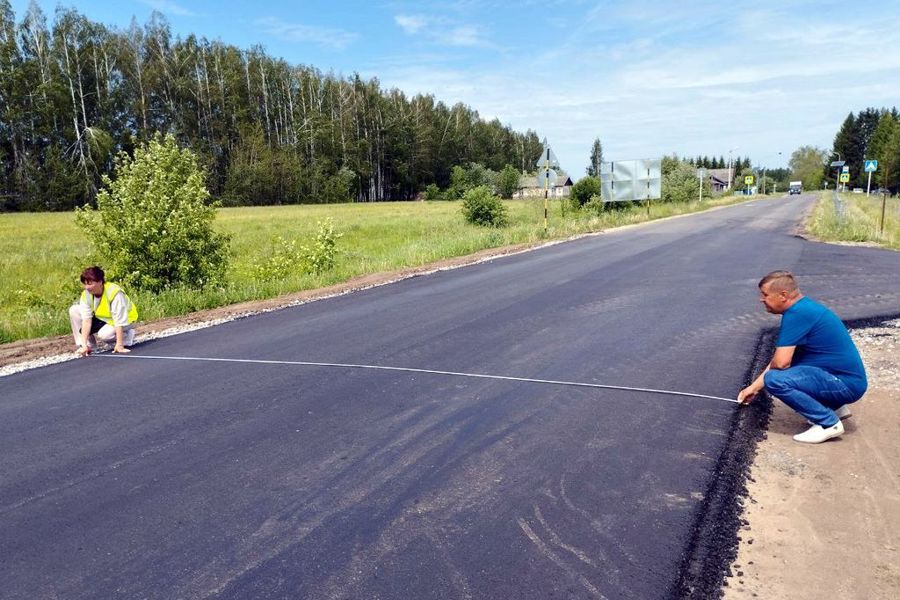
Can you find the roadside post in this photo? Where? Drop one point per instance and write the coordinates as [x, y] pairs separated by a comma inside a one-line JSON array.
[[547, 163], [701, 174], [838, 177], [887, 174], [871, 167]]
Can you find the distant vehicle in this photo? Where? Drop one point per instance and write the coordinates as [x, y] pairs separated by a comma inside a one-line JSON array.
[[796, 187], [857, 190], [881, 191]]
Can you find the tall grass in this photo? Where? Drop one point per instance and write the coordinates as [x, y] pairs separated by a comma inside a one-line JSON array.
[[41, 254], [861, 221]]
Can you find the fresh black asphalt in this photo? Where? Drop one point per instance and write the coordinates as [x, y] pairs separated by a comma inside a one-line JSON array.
[[126, 478]]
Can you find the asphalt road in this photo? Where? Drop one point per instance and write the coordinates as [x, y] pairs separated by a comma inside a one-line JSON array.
[[130, 478]]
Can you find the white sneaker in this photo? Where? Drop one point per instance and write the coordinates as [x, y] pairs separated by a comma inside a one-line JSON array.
[[818, 434]]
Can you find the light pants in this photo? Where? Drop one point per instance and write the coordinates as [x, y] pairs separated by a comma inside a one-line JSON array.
[[813, 392], [106, 333]]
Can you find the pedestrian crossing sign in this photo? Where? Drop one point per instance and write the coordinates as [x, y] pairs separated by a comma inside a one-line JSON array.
[[845, 177]]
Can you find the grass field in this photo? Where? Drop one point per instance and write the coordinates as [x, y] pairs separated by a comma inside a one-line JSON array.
[[861, 222], [41, 254]]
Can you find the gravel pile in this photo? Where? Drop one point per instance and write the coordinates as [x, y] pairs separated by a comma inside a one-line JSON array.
[[880, 350]]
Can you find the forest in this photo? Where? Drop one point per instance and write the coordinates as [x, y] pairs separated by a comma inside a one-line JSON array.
[[74, 93]]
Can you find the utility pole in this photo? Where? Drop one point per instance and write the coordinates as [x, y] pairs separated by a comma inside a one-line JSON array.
[[545, 164], [730, 166]]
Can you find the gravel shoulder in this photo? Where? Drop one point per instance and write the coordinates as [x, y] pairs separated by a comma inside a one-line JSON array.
[[822, 520]]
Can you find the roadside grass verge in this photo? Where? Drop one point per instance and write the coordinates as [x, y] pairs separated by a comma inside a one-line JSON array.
[[41, 254], [862, 217]]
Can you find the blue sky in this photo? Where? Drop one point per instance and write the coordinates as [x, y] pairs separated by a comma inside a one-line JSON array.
[[647, 77]]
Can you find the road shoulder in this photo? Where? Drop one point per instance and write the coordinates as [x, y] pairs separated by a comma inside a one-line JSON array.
[[822, 520]]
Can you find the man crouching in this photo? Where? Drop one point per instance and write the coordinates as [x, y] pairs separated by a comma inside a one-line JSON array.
[[816, 369], [103, 311]]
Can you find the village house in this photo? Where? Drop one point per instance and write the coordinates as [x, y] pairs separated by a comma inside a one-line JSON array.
[[718, 179], [530, 187]]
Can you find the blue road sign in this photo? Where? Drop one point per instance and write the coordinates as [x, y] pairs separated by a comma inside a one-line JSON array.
[[871, 165]]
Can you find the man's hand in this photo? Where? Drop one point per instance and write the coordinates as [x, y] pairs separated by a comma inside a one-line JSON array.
[[120, 349], [747, 395], [84, 350]]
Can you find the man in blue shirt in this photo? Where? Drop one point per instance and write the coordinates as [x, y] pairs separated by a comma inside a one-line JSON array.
[[816, 368]]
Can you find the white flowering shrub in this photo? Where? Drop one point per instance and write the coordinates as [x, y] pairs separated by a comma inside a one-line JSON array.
[[289, 258], [152, 227]]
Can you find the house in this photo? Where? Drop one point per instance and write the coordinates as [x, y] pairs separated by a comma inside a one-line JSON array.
[[718, 179], [530, 187]]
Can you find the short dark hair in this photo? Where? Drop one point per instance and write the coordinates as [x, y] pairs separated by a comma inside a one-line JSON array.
[[94, 273], [782, 281]]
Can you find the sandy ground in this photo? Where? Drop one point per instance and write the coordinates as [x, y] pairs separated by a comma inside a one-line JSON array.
[[823, 521]]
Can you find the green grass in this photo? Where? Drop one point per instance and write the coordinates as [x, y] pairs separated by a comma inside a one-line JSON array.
[[861, 222], [41, 254]]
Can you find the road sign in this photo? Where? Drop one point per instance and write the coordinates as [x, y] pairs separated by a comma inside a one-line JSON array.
[[845, 169], [871, 165], [748, 179], [547, 156], [845, 177], [546, 178]]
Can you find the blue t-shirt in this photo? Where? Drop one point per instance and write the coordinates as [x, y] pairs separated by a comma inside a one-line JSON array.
[[822, 341]]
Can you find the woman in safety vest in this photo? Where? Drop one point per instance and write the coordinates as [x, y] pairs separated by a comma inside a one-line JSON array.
[[103, 311]]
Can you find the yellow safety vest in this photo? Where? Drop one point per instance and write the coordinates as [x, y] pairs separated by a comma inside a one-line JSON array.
[[103, 311]]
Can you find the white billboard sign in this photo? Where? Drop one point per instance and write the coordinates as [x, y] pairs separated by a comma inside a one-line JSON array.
[[627, 180]]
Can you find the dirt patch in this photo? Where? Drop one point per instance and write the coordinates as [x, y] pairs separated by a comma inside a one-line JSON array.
[[824, 520]]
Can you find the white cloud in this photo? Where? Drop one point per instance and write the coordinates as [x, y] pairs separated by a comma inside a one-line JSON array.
[[445, 31], [411, 24], [169, 7], [296, 32], [763, 90], [464, 35]]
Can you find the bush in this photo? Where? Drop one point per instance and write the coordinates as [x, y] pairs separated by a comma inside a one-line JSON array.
[[508, 181], [679, 181], [319, 257], [595, 205], [433, 192], [152, 227], [285, 259], [290, 258], [584, 189], [463, 179], [481, 207]]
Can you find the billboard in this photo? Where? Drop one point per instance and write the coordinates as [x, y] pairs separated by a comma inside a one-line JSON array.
[[626, 180]]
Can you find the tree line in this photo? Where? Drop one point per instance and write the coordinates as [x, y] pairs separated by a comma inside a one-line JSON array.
[[75, 93], [874, 134], [707, 162]]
